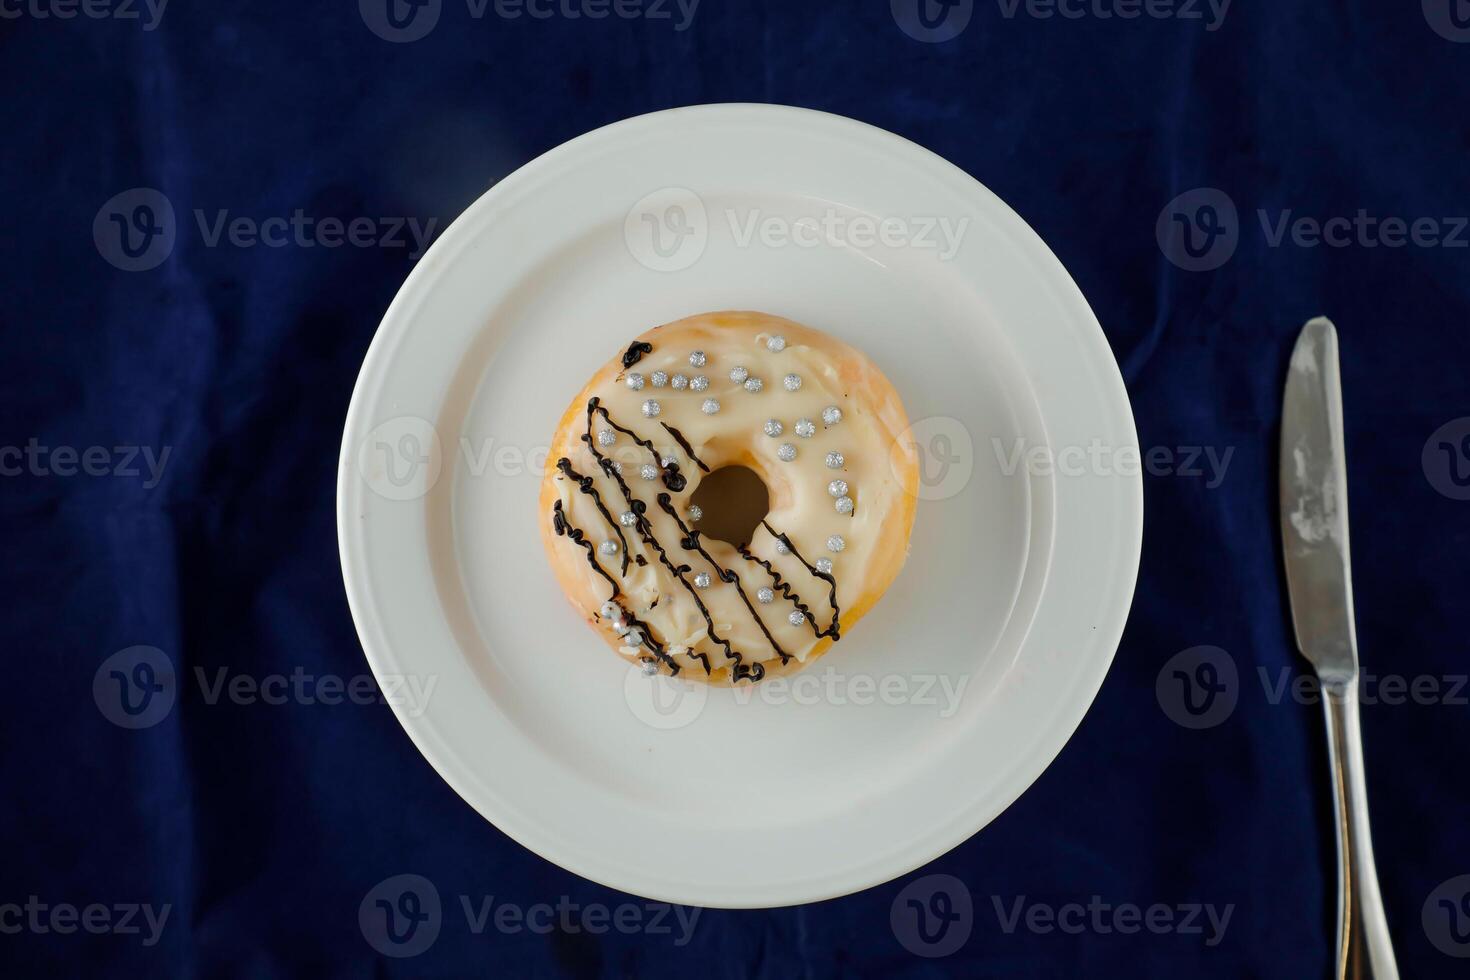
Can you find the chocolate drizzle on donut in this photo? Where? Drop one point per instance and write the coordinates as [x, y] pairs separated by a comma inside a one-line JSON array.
[[635, 353], [835, 629], [689, 540], [585, 484], [565, 528], [739, 670], [673, 479], [684, 445]]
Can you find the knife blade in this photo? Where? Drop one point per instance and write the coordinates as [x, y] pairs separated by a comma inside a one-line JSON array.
[[1314, 524], [1314, 534]]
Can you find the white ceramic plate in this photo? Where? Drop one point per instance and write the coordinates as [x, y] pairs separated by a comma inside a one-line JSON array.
[[933, 713]]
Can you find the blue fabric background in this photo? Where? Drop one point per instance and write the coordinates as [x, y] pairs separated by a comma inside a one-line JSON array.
[[263, 827]]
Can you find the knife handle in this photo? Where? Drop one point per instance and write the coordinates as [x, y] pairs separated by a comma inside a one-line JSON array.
[[1364, 949]]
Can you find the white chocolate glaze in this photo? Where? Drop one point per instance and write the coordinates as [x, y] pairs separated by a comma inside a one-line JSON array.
[[879, 470]]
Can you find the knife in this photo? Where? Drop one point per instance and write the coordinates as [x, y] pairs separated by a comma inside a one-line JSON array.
[[1314, 532]]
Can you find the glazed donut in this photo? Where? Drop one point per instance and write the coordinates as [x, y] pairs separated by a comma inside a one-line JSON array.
[[811, 416]]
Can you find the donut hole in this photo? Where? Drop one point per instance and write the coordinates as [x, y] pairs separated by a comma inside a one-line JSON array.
[[734, 499]]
